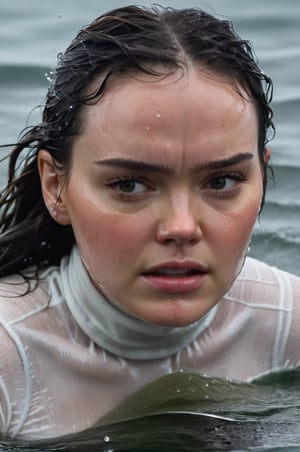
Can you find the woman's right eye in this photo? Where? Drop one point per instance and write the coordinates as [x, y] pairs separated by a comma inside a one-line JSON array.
[[127, 185]]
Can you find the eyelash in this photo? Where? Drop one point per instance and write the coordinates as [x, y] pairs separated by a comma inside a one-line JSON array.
[[116, 184], [234, 176]]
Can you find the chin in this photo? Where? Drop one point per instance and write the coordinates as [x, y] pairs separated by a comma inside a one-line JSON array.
[[174, 312], [174, 320]]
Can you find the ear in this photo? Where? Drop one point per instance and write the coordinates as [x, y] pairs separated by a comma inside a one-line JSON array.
[[52, 186], [267, 155]]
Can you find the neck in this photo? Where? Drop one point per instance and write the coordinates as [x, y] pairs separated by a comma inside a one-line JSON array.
[[111, 326]]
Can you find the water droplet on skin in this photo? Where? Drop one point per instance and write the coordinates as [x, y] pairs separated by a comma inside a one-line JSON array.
[[148, 127], [157, 114], [106, 439]]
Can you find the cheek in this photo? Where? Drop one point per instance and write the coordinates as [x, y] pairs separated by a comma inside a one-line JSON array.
[[109, 238], [233, 232]]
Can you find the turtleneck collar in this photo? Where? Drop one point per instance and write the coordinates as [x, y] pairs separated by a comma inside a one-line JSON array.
[[113, 328]]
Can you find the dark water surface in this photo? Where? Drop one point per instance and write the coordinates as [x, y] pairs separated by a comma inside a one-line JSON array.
[[189, 412]]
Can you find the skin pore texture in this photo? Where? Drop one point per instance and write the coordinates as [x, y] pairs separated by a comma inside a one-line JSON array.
[[163, 192]]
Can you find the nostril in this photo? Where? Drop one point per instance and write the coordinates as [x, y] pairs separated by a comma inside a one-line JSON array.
[[184, 234]]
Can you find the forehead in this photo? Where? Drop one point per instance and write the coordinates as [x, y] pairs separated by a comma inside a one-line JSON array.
[[136, 96], [147, 116]]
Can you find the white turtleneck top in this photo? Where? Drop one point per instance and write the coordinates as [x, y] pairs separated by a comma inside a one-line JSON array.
[[68, 356]]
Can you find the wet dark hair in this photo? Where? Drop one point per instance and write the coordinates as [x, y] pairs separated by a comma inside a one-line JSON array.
[[127, 40]]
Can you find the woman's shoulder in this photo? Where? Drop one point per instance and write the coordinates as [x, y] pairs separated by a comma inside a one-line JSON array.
[[20, 301], [260, 273], [278, 292], [262, 284], [20, 297], [260, 270]]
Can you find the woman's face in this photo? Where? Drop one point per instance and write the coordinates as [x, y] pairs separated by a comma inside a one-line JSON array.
[[163, 193]]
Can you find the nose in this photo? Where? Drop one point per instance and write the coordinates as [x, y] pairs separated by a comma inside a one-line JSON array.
[[179, 223]]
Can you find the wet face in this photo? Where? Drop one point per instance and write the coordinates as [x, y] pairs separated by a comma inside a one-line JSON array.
[[163, 193]]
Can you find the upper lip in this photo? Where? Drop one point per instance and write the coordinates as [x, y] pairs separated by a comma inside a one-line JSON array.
[[178, 265]]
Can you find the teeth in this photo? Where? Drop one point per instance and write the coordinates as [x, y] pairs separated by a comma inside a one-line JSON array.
[[175, 272]]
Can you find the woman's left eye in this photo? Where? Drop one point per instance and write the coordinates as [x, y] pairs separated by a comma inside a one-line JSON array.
[[226, 182]]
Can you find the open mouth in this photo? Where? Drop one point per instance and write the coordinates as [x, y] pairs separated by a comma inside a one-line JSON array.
[[176, 272], [176, 278]]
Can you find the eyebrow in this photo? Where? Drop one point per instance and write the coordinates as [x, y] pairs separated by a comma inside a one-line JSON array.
[[158, 168]]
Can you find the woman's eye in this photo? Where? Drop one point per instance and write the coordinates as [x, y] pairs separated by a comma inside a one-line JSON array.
[[225, 182], [131, 186], [221, 183], [127, 186]]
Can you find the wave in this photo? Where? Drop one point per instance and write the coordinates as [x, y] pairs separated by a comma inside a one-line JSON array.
[[280, 238], [186, 412], [283, 206], [277, 249], [288, 98], [23, 75]]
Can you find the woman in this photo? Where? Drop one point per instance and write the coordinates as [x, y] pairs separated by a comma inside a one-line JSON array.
[[126, 222]]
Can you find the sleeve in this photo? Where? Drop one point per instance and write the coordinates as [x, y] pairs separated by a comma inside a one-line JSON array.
[[292, 354], [13, 384], [5, 409]]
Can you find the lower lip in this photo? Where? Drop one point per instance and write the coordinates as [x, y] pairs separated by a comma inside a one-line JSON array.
[[174, 284]]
